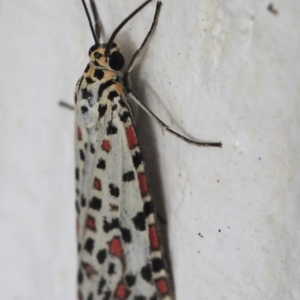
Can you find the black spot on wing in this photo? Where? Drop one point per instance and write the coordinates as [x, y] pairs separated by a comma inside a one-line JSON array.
[[153, 297], [146, 273], [77, 174], [126, 235], [128, 176], [89, 245], [148, 208], [122, 103], [111, 269], [98, 73], [111, 128], [130, 280], [137, 159], [110, 226], [112, 95], [86, 94], [114, 107], [114, 190], [79, 276], [77, 207], [101, 164], [101, 285], [92, 148], [139, 297], [139, 221], [125, 116], [89, 80], [83, 201], [157, 264], [96, 203], [106, 295], [91, 296], [101, 256], [104, 86], [102, 110], [84, 109], [81, 154]]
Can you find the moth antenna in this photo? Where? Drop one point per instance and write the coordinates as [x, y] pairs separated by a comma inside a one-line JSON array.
[[122, 25], [96, 19], [90, 22]]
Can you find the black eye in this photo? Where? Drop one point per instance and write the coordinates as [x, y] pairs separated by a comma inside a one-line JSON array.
[[116, 61]]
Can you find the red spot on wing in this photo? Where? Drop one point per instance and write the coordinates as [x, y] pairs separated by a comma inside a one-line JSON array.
[[143, 184], [88, 269], [90, 223], [131, 137], [154, 242], [121, 291], [79, 295], [97, 184], [161, 285], [79, 134], [115, 247], [106, 146]]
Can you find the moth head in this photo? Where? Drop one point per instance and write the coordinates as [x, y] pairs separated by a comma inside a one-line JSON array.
[[110, 60]]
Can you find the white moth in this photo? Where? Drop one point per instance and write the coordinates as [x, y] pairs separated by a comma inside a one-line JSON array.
[[119, 251]]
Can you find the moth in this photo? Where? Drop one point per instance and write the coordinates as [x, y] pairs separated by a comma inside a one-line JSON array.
[[119, 249]]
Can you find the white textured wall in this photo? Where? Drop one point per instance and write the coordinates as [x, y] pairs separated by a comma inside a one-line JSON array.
[[215, 70]]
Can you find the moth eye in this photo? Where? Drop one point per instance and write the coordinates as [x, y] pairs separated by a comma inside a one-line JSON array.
[[116, 61]]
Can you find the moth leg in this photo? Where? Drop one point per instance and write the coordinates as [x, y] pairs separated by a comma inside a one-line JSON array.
[[66, 105], [138, 53], [127, 84], [166, 127]]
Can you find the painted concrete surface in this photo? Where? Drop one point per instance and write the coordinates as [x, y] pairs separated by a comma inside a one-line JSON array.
[[215, 70]]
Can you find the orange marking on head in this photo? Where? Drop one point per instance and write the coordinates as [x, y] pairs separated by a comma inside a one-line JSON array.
[[161, 285], [115, 247], [131, 137], [154, 242], [143, 184], [102, 61], [106, 146]]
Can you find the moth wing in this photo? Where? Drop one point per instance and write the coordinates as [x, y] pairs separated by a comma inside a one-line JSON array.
[[119, 250]]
